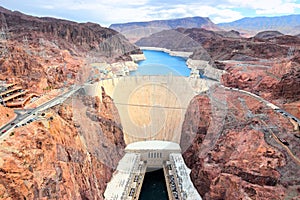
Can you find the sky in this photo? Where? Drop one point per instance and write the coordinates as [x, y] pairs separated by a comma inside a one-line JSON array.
[[106, 12]]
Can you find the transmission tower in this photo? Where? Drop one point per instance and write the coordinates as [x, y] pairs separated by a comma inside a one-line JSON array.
[[3, 41], [291, 52], [42, 48], [4, 22], [26, 45]]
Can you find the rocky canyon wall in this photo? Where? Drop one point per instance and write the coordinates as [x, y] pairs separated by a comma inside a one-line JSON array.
[[46, 53], [71, 156], [236, 150]]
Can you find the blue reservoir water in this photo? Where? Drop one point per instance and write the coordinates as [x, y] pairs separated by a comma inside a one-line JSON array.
[[161, 63]]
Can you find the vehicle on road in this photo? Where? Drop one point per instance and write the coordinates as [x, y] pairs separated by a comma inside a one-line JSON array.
[[294, 119], [283, 141]]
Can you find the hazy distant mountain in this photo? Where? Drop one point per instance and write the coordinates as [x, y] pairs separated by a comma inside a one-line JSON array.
[[182, 39], [175, 39], [289, 24], [136, 30]]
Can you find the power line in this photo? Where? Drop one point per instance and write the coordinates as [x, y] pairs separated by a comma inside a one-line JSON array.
[[170, 107], [149, 106]]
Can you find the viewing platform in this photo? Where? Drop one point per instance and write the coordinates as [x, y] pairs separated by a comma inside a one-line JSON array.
[[14, 96]]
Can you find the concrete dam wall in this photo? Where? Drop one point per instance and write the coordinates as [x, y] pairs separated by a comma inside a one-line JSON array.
[[151, 107]]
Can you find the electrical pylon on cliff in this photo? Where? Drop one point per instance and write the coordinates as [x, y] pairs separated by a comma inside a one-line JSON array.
[[3, 42]]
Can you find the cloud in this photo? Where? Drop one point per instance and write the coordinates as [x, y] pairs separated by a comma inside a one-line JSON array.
[[217, 14], [268, 7], [116, 11], [183, 10], [119, 11], [107, 12]]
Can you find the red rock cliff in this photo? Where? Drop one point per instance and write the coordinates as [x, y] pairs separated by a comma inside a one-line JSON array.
[[233, 151], [71, 157]]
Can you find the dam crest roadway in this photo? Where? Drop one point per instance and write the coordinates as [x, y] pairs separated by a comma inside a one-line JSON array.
[[152, 110]]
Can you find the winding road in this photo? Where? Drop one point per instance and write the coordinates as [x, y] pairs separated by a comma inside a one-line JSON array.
[[23, 116], [278, 110]]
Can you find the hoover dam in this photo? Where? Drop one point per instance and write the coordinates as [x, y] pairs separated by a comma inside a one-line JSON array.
[[152, 110], [151, 107]]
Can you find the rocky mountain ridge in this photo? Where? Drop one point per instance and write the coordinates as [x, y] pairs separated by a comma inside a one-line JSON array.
[[75, 37], [48, 53], [264, 35], [220, 45]]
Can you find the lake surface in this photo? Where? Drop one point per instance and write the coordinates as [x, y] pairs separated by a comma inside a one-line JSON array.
[[161, 63]]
